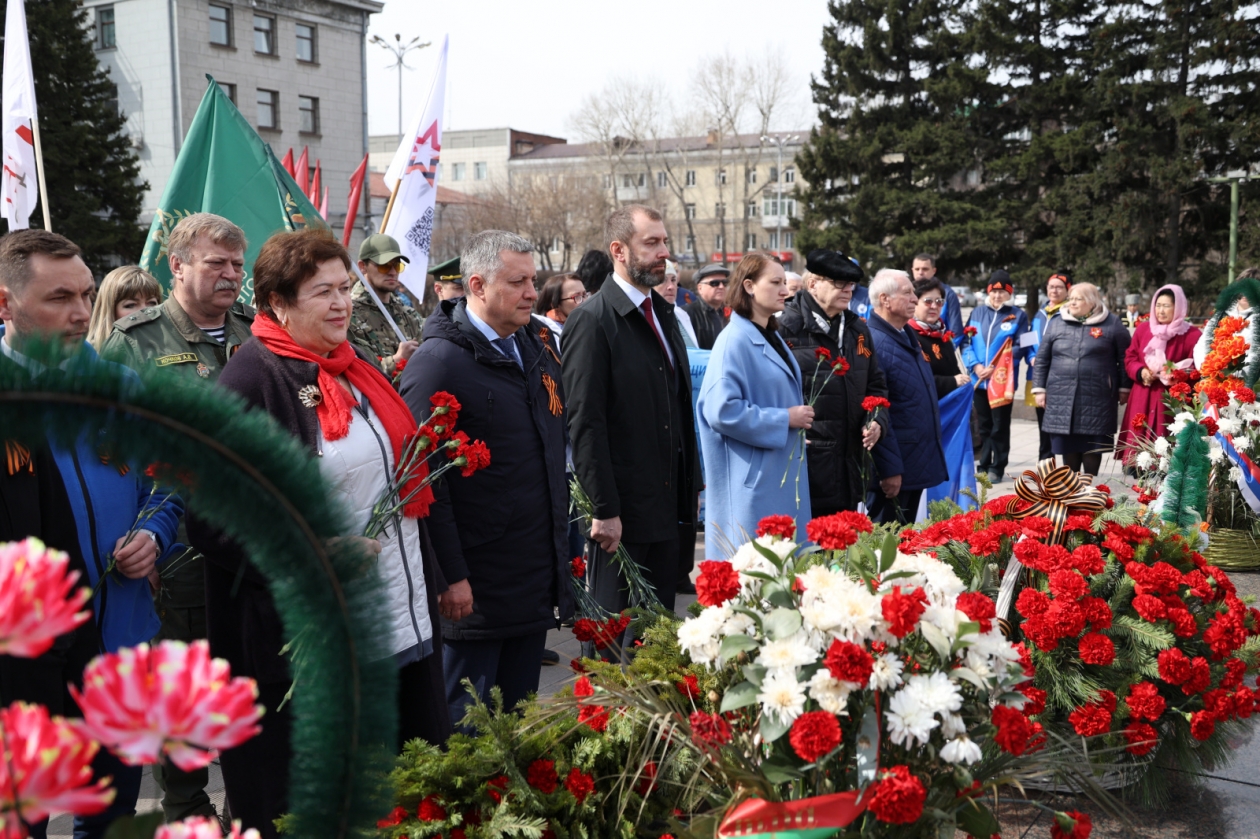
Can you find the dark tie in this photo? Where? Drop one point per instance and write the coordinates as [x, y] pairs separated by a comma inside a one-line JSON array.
[[508, 347], [646, 306]]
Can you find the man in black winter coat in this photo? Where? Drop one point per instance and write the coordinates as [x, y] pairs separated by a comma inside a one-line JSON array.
[[628, 384], [501, 534], [839, 442]]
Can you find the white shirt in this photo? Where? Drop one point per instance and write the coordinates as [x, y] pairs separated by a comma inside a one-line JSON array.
[[684, 321], [637, 297]]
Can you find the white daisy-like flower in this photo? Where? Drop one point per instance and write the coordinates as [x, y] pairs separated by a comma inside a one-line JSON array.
[[960, 750], [1235, 474], [782, 695], [952, 725], [1161, 446], [831, 694], [820, 582], [788, 652], [1242, 443], [945, 617], [935, 692], [1164, 464], [886, 674], [701, 637], [937, 579], [1229, 426], [857, 612], [909, 719], [1215, 453], [819, 617], [1144, 460], [738, 624]]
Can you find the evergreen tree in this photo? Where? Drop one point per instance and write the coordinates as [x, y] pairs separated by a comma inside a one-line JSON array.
[[94, 191], [887, 167]]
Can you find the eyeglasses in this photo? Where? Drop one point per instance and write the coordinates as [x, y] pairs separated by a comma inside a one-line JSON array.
[[398, 265], [577, 298], [842, 285], [714, 283]]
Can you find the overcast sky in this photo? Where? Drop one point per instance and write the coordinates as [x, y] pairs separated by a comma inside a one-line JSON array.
[[528, 65]]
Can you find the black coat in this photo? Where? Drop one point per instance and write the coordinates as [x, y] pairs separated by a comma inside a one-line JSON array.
[[1081, 368], [941, 357], [630, 415], [706, 321], [504, 528], [835, 452]]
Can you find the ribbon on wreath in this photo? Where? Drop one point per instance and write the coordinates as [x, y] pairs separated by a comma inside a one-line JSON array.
[[807, 818], [1052, 492]]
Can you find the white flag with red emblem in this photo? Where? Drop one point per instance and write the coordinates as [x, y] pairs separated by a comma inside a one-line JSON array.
[[20, 182], [414, 169]]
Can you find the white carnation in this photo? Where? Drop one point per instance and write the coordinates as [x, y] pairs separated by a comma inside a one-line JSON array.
[[1228, 426], [960, 750], [935, 692], [782, 695], [831, 694], [701, 637], [886, 673], [1235, 474], [909, 719], [936, 578], [1215, 453], [852, 611], [1144, 460], [1161, 446], [952, 725], [1242, 444], [788, 652]]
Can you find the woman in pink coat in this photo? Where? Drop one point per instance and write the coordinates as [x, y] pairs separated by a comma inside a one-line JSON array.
[[1163, 342]]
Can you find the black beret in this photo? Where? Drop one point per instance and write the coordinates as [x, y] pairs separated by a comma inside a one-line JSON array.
[[834, 266]]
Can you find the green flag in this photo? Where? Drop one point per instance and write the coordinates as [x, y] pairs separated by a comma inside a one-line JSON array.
[[225, 168]]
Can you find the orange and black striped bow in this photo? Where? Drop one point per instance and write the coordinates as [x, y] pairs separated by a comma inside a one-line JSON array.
[[1055, 493]]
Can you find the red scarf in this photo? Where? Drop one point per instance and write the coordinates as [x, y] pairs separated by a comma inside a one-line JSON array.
[[938, 334], [335, 405]]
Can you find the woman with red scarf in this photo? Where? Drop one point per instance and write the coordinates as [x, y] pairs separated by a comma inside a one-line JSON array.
[[935, 338], [300, 369], [1161, 344]]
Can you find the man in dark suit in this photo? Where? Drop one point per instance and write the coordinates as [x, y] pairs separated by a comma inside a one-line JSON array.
[[628, 384]]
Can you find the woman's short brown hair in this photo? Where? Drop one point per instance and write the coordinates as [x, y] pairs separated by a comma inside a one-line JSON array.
[[289, 259], [749, 268]]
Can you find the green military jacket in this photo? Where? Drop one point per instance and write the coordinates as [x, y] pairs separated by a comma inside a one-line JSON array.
[[370, 332], [164, 336]]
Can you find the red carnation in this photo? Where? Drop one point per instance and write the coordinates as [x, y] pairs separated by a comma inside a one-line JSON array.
[[849, 662], [822, 354], [579, 784], [1200, 676], [1015, 732], [873, 403], [394, 818], [1141, 738], [595, 716], [475, 456], [542, 776], [1150, 608], [831, 533], [1139, 422], [1088, 559], [1068, 584], [1210, 424], [430, 810], [1032, 602], [709, 730], [445, 405], [1036, 703], [1097, 648], [1202, 725], [1174, 667], [897, 798], [718, 582], [1090, 719], [585, 629], [978, 607], [970, 331], [814, 735], [1144, 702], [902, 611], [689, 686], [579, 567], [840, 366], [1183, 623], [1071, 825], [495, 787], [1097, 612], [782, 526]]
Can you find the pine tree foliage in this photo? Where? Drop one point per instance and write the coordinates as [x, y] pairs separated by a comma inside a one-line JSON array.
[[92, 172]]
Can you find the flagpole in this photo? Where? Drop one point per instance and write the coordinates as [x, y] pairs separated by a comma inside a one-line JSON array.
[[390, 206], [39, 168]]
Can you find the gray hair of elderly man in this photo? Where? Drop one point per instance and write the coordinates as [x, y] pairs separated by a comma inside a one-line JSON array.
[[886, 281], [483, 252]]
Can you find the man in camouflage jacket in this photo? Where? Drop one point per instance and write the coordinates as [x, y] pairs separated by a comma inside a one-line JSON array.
[[381, 261]]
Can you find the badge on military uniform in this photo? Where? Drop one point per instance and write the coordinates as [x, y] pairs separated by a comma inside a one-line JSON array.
[[203, 371]]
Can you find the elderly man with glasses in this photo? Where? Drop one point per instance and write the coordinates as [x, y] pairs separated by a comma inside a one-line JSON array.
[[381, 262], [708, 314], [840, 440]]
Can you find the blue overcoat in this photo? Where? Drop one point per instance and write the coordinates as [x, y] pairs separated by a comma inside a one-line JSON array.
[[745, 439]]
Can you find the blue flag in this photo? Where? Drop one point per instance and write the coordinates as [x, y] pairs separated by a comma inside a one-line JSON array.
[[956, 441]]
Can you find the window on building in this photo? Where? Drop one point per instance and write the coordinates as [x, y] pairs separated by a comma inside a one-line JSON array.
[[457, 171], [719, 243], [750, 242], [789, 175], [719, 210], [308, 110], [751, 174], [690, 244], [105, 28], [264, 34], [789, 240], [305, 42], [112, 102], [774, 174], [771, 207], [689, 210], [750, 209], [690, 179], [268, 108], [662, 180], [479, 171], [229, 90], [221, 25], [627, 181], [772, 240], [721, 177]]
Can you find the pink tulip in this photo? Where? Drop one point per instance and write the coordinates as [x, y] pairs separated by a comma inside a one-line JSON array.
[[48, 762], [198, 827], [38, 601], [172, 698]]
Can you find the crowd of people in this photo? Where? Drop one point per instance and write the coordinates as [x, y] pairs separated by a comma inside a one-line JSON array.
[[820, 394]]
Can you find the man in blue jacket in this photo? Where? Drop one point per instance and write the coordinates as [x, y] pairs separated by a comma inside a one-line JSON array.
[[997, 324], [910, 458], [82, 501]]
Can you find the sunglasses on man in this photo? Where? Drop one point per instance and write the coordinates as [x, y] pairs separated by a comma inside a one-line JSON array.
[[714, 283]]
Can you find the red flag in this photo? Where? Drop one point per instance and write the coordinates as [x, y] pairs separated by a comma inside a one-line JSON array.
[[323, 205], [356, 193], [287, 163], [303, 165], [1002, 382], [314, 193]]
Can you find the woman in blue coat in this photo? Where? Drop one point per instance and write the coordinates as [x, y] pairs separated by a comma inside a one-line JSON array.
[[750, 414]]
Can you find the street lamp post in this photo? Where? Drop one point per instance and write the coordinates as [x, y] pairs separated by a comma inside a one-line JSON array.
[[1233, 179], [779, 142], [399, 50]]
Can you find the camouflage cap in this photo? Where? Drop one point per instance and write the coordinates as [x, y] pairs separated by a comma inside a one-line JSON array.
[[380, 249]]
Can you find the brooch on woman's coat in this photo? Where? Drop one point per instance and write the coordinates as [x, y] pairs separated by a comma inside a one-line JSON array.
[[310, 396]]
